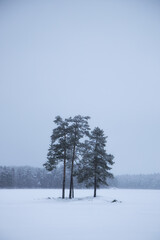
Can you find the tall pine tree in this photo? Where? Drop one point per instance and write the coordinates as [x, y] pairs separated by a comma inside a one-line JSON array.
[[93, 167], [58, 148], [78, 128]]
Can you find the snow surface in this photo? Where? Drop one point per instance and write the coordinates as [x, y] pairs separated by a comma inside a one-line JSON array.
[[42, 215]]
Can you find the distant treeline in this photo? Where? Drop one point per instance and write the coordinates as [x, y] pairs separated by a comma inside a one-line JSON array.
[[30, 177]]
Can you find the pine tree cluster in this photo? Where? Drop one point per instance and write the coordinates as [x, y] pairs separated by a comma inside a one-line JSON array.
[[82, 151]]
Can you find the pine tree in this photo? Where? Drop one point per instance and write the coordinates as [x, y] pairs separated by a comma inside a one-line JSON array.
[[58, 148], [93, 168], [78, 128]]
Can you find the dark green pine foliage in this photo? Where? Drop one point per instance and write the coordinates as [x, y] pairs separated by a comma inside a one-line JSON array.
[[78, 128], [93, 168], [58, 149]]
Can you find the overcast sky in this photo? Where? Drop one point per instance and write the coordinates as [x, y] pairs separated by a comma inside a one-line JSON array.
[[97, 58]]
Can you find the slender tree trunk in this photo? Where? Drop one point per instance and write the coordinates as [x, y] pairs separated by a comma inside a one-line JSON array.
[[95, 173], [71, 190], [64, 170], [64, 178], [71, 183], [95, 185]]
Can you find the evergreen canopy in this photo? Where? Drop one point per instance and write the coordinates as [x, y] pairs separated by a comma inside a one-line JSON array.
[[85, 157]]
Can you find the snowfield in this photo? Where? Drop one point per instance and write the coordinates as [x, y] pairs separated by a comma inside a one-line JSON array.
[[42, 215]]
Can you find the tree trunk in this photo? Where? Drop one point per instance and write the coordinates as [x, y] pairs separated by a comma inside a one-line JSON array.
[[95, 186], [64, 178], [95, 171], [71, 190]]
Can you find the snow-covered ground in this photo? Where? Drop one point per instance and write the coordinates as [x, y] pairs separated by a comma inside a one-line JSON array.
[[42, 215]]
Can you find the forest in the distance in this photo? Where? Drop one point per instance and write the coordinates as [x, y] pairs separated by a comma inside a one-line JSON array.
[[31, 177]]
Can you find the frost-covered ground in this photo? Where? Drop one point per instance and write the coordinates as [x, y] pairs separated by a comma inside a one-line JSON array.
[[42, 215]]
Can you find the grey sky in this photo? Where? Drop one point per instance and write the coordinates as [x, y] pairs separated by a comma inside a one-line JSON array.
[[97, 58]]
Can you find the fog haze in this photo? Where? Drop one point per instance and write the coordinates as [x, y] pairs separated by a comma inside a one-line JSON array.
[[96, 58]]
